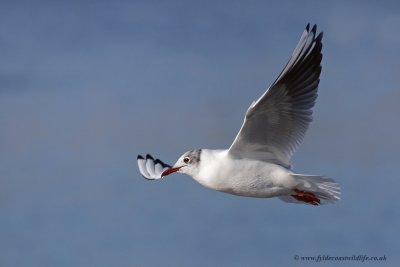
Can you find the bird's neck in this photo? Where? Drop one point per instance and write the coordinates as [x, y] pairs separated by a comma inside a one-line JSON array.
[[210, 165]]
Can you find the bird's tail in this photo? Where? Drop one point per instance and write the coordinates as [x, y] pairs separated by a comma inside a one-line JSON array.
[[314, 190]]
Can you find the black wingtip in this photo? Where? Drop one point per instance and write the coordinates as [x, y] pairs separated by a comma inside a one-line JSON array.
[[162, 163], [148, 156], [308, 27], [319, 37], [314, 29], [139, 157]]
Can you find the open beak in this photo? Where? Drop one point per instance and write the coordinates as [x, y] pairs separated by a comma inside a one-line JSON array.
[[170, 170]]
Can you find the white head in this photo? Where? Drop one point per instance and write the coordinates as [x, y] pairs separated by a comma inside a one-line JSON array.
[[188, 164]]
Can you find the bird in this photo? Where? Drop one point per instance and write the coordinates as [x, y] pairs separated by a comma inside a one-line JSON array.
[[257, 164]]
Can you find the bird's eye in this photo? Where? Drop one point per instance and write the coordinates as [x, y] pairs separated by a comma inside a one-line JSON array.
[[186, 159]]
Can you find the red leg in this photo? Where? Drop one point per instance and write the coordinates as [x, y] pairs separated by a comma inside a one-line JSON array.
[[306, 197]]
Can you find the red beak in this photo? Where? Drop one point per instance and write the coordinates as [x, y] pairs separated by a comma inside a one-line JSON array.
[[169, 171]]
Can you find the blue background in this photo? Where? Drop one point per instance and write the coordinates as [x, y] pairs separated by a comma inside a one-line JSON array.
[[85, 86]]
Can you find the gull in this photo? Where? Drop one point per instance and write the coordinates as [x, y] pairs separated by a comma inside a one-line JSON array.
[[257, 164]]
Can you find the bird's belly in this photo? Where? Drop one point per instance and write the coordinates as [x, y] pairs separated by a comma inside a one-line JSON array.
[[259, 186]]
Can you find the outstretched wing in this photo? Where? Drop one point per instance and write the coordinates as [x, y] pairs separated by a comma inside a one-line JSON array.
[[151, 169], [275, 124]]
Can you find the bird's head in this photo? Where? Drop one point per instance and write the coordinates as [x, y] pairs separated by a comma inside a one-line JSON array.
[[188, 163]]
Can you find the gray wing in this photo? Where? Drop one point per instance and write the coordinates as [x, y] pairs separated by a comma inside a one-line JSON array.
[[275, 124], [151, 168]]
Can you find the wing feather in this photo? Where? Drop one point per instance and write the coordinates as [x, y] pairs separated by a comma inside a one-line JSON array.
[[275, 124], [151, 168]]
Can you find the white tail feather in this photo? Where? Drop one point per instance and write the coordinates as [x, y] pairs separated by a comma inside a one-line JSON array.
[[325, 188]]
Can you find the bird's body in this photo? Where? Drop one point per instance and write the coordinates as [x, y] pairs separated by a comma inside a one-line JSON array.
[[257, 164], [243, 177]]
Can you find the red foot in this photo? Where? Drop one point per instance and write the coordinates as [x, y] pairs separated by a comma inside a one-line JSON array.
[[306, 197]]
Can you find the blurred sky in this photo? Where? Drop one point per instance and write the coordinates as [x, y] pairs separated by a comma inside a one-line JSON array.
[[85, 86]]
